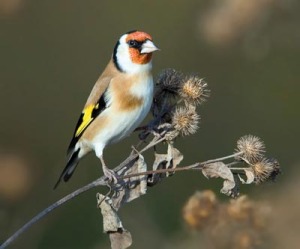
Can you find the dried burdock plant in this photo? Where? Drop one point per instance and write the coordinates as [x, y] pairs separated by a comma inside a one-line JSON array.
[[276, 169], [168, 84], [251, 147], [200, 209], [194, 90], [174, 111], [240, 223], [264, 170], [185, 120]]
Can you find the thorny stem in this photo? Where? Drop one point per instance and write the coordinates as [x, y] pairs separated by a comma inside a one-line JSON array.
[[237, 169], [224, 158], [197, 166], [229, 165], [159, 171]]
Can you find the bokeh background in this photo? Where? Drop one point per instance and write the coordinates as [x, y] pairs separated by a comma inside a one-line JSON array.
[[51, 53]]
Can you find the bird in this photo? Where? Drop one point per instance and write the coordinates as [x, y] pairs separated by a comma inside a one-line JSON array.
[[119, 101]]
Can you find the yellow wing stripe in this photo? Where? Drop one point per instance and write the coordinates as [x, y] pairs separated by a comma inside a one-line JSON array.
[[86, 119]]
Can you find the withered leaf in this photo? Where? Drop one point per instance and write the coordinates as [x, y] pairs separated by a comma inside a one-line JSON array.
[[219, 169], [120, 238], [249, 175], [133, 187], [160, 162], [111, 221], [165, 161], [228, 186], [174, 156]]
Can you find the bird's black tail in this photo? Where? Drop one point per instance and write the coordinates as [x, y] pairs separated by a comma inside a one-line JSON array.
[[69, 169]]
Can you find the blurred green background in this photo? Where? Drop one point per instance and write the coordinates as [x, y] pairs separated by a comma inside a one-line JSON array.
[[52, 52]]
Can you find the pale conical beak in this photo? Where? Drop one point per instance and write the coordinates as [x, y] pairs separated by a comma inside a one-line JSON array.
[[148, 47]]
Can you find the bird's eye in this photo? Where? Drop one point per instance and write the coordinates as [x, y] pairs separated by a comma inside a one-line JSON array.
[[133, 43]]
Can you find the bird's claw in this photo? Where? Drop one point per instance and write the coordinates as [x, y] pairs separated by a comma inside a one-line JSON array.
[[111, 176]]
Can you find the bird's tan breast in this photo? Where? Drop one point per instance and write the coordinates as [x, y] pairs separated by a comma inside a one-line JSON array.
[[125, 98]]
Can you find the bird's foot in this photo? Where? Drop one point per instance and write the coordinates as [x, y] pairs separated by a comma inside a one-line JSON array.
[[111, 175]]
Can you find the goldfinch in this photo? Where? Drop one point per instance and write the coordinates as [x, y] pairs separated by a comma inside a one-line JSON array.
[[118, 102]]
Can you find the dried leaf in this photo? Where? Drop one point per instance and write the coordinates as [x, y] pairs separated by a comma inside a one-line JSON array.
[[219, 169], [120, 238], [160, 162], [111, 221], [174, 156], [165, 161], [131, 188], [249, 175], [228, 186]]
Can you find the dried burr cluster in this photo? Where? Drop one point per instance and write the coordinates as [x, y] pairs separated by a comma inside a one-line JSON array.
[[175, 102], [175, 114], [238, 224], [259, 168]]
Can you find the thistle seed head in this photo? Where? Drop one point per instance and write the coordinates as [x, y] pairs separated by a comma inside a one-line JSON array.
[[251, 147], [185, 120], [263, 170], [194, 90], [169, 82], [276, 169]]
